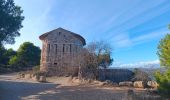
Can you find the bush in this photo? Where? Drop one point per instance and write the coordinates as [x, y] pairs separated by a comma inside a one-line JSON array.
[[27, 56], [164, 51], [163, 79]]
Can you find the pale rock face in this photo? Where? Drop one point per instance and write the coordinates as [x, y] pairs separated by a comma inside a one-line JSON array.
[[126, 83], [152, 84], [138, 84], [59, 48]]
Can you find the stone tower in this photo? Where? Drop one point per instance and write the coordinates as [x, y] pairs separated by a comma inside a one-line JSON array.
[[59, 47]]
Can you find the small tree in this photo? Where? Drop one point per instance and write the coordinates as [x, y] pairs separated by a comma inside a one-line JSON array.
[[9, 54], [5, 55], [28, 55], [95, 55], [87, 64], [102, 51]]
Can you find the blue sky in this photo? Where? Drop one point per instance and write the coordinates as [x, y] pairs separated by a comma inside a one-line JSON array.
[[132, 27]]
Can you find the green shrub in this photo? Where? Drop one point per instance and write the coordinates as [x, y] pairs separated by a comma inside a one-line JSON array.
[[28, 55], [163, 79]]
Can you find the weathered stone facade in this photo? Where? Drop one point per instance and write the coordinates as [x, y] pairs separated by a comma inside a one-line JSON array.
[[59, 47]]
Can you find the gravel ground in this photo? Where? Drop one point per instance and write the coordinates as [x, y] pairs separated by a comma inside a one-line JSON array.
[[17, 89]]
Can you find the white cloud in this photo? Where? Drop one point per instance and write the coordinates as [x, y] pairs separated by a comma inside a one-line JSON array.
[[146, 64]]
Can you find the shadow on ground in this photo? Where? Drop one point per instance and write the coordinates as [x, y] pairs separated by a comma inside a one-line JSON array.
[[10, 90]]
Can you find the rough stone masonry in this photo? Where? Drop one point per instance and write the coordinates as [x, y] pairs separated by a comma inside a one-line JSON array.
[[59, 47]]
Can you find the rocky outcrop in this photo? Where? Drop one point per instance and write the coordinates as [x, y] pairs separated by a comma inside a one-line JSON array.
[[138, 84], [35, 78], [109, 83], [126, 83], [152, 84], [21, 75], [28, 76], [40, 77]]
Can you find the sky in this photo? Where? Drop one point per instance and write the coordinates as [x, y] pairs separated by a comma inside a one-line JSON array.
[[132, 27]]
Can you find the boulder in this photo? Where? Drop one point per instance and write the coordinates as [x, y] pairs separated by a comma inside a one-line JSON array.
[[126, 83], [108, 83], [75, 80], [138, 84], [42, 79], [115, 84], [27, 76], [21, 75], [152, 84], [35, 78]]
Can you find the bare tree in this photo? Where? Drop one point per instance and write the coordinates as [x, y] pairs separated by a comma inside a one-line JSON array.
[[89, 59], [87, 63], [103, 51]]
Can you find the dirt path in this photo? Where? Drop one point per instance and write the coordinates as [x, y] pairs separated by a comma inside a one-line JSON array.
[[14, 89]]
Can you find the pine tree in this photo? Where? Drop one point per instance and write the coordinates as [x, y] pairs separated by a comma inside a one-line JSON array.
[[163, 78], [164, 51]]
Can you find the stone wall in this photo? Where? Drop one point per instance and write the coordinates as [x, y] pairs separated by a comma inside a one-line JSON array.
[[63, 71], [59, 49]]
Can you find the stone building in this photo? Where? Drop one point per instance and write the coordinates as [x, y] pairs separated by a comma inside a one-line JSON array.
[[59, 47]]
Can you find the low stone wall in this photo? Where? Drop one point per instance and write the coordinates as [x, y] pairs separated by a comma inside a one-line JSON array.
[[115, 75]]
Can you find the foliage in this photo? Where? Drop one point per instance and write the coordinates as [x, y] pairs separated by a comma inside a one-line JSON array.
[[13, 60], [28, 55], [164, 51], [102, 51], [91, 58], [163, 80], [87, 64], [2, 55], [104, 60], [5, 55], [10, 21], [9, 54]]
